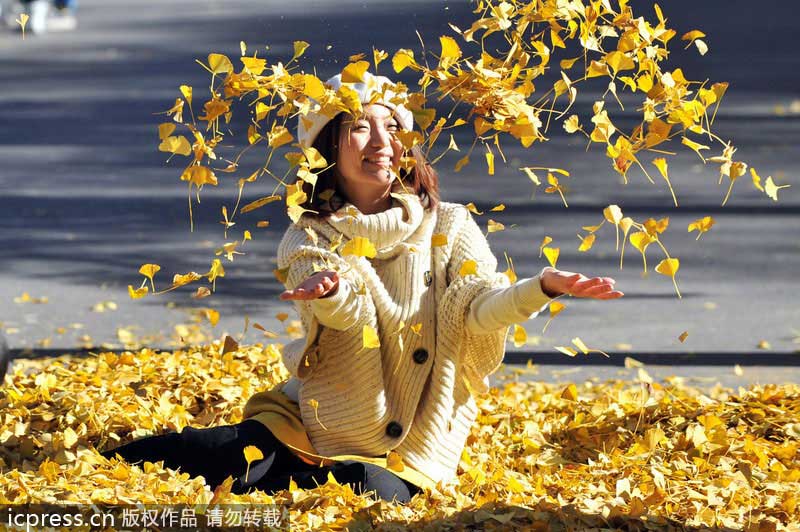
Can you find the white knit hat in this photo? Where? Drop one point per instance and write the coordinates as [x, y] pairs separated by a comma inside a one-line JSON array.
[[370, 90]]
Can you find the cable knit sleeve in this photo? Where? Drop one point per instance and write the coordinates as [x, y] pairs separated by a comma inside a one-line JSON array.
[[501, 307], [298, 259], [482, 352]]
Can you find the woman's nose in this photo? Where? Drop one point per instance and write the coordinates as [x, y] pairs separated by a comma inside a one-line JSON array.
[[380, 137]]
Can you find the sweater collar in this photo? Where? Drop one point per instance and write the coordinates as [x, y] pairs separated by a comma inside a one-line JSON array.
[[384, 229]]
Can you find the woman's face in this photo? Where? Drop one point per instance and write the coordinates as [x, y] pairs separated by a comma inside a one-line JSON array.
[[368, 149]]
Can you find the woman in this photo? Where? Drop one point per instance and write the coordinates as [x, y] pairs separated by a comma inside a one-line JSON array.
[[392, 417]]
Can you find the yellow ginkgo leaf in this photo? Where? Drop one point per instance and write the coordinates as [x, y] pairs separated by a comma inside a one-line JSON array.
[[580, 345], [493, 227], [149, 270], [461, 163], [359, 246], [370, 339], [468, 267], [546, 240], [756, 179], [416, 329], [315, 405], [394, 461], [450, 49], [252, 453], [378, 56], [566, 350], [212, 315], [166, 129], [570, 393], [402, 59], [354, 72], [683, 336], [669, 267], [498, 208], [22, 21], [586, 242], [257, 204], [555, 309], [772, 189], [661, 164], [572, 124], [551, 254], [520, 336], [510, 273], [472, 208], [138, 292], [640, 241], [439, 239], [701, 225], [216, 270], [219, 64], [490, 162], [177, 145], [299, 48]]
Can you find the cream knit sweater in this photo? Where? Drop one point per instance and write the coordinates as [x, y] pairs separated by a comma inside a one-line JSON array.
[[413, 393]]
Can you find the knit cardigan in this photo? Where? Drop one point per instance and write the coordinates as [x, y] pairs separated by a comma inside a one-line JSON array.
[[365, 402]]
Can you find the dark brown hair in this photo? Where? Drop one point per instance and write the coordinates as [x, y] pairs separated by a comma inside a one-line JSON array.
[[422, 178]]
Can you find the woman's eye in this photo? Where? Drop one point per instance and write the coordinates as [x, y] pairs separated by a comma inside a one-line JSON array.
[[392, 127]]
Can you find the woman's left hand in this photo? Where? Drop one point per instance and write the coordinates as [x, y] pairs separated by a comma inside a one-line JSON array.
[[556, 282]]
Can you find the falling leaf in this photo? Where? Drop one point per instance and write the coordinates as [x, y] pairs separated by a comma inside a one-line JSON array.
[[468, 267], [471, 208], [546, 240], [219, 64], [771, 189], [370, 339], [299, 49], [493, 227], [586, 242], [684, 335], [360, 247], [257, 204], [137, 293], [520, 336], [149, 270], [763, 344], [490, 162], [669, 267], [551, 254], [662, 166], [701, 225], [354, 72]]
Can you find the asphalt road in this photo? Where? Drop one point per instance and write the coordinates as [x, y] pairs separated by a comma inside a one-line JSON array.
[[85, 197]]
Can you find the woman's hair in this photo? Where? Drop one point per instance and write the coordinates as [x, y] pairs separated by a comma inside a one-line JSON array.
[[421, 179]]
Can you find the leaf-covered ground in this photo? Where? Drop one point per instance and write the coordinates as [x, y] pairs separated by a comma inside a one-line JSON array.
[[541, 456]]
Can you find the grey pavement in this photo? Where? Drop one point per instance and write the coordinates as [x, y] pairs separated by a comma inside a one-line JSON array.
[[85, 197]]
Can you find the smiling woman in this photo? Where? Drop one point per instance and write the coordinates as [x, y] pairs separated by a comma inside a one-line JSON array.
[[405, 316], [351, 142]]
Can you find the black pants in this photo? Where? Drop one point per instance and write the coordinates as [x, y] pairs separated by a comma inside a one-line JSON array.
[[218, 452]]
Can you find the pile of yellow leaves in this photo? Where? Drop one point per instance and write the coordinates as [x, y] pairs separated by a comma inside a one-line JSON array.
[[540, 456]]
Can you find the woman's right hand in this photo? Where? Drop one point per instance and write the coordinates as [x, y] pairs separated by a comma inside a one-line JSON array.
[[321, 284]]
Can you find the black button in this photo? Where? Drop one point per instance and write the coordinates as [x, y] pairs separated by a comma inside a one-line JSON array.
[[428, 278], [394, 429], [420, 356]]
